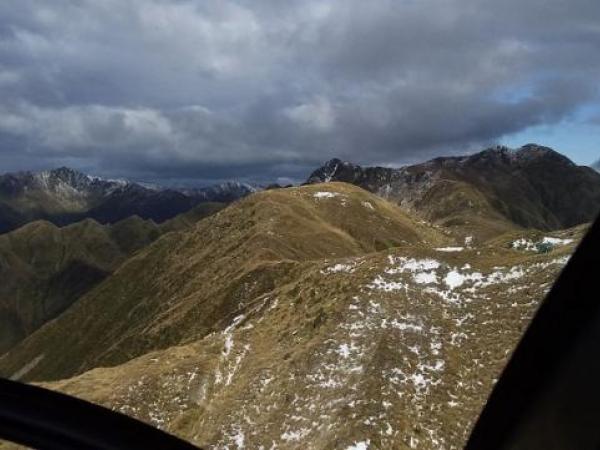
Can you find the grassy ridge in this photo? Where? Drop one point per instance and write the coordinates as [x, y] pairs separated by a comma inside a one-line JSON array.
[[187, 284], [330, 358]]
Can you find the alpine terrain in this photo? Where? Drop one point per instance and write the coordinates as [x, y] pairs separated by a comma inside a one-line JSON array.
[[368, 308], [64, 196], [486, 193]]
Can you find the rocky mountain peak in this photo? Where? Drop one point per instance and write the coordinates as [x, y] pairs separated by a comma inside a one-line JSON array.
[[68, 181], [539, 153], [64, 175], [524, 186], [334, 163], [335, 170], [524, 156], [493, 155], [326, 172]]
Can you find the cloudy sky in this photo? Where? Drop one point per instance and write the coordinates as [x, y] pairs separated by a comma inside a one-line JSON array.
[[256, 90]]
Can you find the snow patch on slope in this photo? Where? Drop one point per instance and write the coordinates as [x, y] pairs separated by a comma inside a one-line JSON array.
[[325, 194]]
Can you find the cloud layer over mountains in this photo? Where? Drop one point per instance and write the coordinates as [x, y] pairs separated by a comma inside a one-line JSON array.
[[258, 89]]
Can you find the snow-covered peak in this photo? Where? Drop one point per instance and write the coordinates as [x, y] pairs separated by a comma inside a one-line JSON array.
[[63, 181], [69, 181]]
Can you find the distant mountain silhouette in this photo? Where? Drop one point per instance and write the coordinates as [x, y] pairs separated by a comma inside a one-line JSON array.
[[64, 196]]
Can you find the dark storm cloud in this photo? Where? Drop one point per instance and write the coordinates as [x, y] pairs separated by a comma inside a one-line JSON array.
[[260, 89]]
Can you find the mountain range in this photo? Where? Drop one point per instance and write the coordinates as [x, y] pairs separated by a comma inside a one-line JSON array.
[[368, 308], [63, 196], [486, 193]]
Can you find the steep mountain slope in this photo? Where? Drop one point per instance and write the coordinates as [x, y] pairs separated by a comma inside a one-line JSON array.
[[188, 284], [487, 193], [596, 165], [45, 268], [395, 349], [64, 196]]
